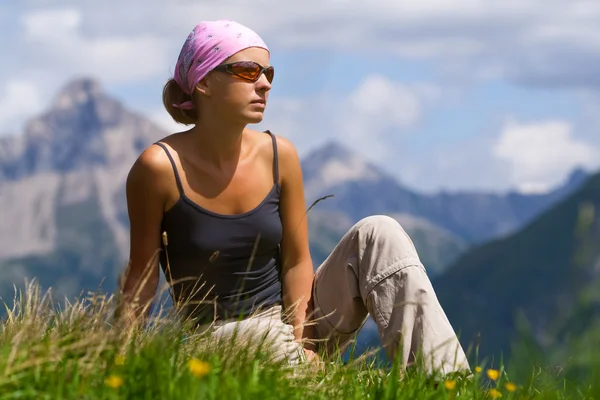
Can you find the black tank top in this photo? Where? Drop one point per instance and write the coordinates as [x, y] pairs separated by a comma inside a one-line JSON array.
[[223, 266]]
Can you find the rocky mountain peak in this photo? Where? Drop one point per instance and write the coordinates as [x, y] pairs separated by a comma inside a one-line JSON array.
[[332, 149], [84, 127], [81, 107], [339, 163], [77, 93], [334, 164]]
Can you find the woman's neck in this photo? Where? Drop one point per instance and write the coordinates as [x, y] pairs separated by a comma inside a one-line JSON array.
[[218, 144]]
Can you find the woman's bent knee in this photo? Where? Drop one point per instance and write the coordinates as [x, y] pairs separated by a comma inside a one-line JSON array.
[[384, 232], [384, 249], [377, 222]]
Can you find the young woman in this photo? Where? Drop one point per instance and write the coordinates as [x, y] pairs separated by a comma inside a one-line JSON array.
[[224, 207]]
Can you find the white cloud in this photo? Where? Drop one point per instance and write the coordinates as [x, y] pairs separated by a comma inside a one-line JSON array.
[[462, 165], [540, 154], [21, 99], [588, 124], [380, 100], [549, 42], [363, 119], [54, 45], [58, 45], [375, 107], [527, 156], [49, 25]]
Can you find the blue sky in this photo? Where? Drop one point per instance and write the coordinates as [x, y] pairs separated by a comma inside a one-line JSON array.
[[453, 95]]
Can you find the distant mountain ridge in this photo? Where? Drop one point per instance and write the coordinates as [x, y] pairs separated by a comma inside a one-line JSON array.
[[437, 246], [361, 188]]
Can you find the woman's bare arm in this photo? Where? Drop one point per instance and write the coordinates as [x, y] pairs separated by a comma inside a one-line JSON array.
[[297, 268], [145, 189]]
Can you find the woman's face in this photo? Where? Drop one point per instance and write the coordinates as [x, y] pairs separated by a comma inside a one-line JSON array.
[[236, 98]]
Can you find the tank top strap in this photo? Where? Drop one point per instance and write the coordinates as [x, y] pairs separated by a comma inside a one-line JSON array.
[[177, 178], [275, 157]]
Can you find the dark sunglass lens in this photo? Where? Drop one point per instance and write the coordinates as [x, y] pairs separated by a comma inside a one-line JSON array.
[[269, 73]]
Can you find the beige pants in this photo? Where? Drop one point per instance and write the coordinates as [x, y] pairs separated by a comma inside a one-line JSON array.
[[264, 330], [374, 270]]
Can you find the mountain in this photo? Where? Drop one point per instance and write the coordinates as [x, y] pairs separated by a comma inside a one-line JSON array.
[[542, 273], [62, 191], [435, 245], [360, 188]]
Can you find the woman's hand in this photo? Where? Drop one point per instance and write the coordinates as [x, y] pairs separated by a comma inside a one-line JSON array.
[[311, 355], [314, 361]]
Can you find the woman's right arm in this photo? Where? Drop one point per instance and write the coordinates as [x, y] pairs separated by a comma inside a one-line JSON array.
[[145, 205]]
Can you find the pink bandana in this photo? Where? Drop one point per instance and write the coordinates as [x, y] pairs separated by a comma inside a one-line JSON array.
[[208, 45]]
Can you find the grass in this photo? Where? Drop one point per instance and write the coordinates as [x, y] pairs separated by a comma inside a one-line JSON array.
[[73, 352]]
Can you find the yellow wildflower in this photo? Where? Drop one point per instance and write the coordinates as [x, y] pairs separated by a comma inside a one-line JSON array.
[[478, 369], [493, 374], [198, 368], [511, 387], [451, 384], [114, 381], [495, 394]]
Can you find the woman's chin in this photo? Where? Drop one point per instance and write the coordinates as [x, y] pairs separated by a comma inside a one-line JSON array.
[[254, 117]]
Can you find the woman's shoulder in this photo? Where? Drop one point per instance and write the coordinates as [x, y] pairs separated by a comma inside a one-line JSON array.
[[287, 155], [285, 147], [154, 158], [153, 164]]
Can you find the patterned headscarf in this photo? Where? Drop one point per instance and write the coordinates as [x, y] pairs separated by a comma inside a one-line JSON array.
[[208, 45]]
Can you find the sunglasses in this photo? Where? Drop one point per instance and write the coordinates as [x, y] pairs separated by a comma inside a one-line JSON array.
[[248, 70]]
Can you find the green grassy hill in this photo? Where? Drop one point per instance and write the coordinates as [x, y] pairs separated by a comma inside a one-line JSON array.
[[539, 273]]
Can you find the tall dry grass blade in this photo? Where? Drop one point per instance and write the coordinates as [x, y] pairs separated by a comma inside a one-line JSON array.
[[317, 201]]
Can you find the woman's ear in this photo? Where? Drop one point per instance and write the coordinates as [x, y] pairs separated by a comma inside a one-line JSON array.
[[203, 87]]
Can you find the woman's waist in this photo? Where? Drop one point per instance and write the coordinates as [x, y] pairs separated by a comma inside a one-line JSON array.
[[208, 310], [196, 259], [224, 287]]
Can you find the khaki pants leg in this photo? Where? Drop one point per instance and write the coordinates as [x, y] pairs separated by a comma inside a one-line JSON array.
[[265, 330], [375, 269]]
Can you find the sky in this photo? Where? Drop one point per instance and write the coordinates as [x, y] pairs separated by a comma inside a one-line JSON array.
[[445, 95]]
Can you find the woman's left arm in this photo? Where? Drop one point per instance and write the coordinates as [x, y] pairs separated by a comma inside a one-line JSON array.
[[297, 267]]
